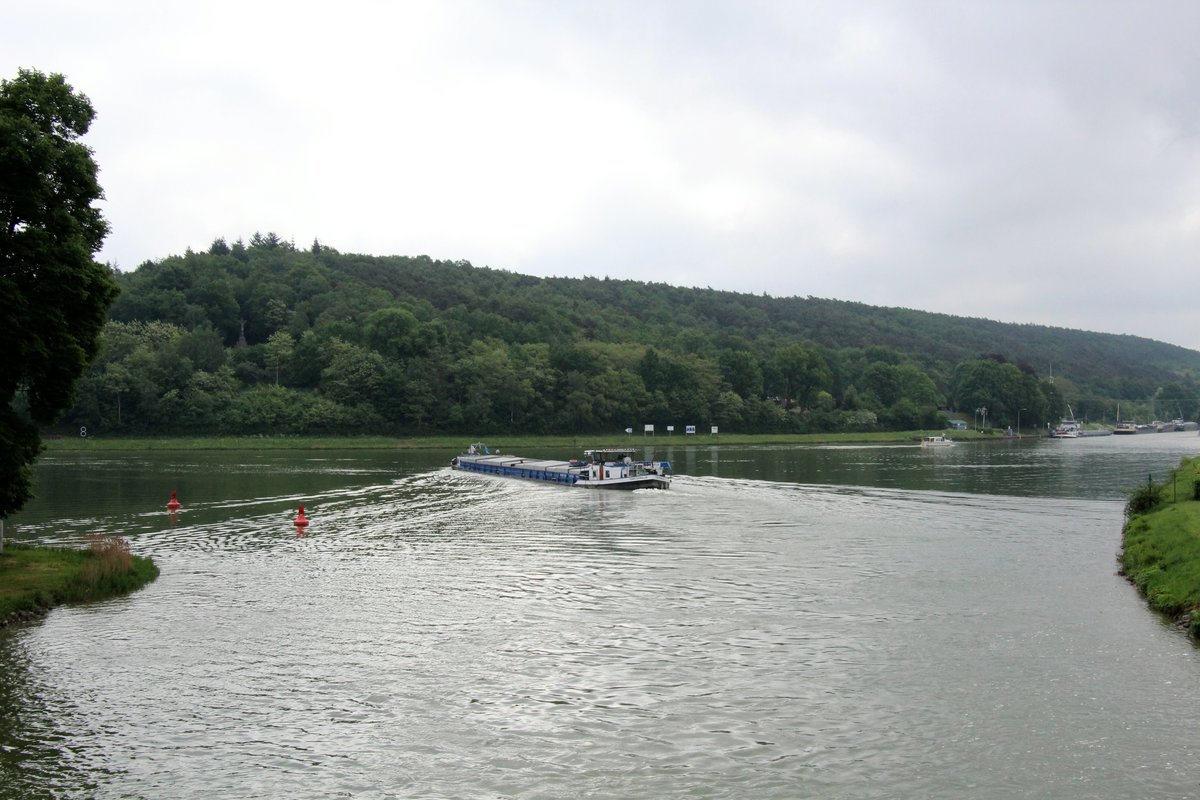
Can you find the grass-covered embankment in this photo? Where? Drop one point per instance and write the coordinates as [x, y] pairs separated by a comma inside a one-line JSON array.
[[1161, 553], [35, 579], [509, 443]]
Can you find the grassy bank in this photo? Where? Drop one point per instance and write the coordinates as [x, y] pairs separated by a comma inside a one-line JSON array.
[[1161, 554], [509, 443], [34, 579]]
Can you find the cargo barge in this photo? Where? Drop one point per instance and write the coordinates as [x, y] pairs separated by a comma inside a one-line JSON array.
[[604, 468]]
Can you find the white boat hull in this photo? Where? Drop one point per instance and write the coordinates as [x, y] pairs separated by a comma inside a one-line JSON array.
[[937, 441]]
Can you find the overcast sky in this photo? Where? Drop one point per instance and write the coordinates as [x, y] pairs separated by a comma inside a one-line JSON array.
[[1020, 161]]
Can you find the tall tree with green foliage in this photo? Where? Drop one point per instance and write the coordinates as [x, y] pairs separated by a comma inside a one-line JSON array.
[[801, 373], [54, 296]]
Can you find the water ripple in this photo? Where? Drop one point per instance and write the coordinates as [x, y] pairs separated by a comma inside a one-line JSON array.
[[442, 635]]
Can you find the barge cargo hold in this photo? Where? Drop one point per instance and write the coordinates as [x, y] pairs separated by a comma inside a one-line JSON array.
[[608, 468]]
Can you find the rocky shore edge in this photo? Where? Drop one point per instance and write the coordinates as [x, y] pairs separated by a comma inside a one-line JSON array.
[[23, 616]]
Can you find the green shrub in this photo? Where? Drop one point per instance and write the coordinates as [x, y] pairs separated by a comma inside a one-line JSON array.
[[1143, 499]]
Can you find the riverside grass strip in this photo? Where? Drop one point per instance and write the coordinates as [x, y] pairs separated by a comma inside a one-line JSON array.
[[34, 579], [1161, 544]]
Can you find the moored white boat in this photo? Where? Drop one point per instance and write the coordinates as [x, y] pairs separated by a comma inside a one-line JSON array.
[[1067, 428], [937, 441], [604, 468]]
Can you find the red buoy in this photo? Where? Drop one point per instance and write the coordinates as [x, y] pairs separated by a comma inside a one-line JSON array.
[[301, 521], [173, 504]]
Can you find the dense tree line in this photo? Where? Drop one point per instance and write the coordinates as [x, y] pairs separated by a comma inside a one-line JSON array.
[[268, 338]]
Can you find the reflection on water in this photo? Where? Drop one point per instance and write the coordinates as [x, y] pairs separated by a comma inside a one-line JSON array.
[[1095, 467], [868, 622]]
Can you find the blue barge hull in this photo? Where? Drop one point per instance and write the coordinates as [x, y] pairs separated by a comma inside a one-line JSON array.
[[599, 473], [514, 467]]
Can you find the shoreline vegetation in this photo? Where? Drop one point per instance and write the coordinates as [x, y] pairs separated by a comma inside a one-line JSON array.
[[1161, 544], [443, 442], [35, 579]]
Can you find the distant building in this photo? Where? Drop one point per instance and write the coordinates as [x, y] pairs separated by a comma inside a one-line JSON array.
[[958, 425]]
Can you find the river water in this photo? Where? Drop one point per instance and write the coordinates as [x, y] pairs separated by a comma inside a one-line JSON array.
[[784, 622]]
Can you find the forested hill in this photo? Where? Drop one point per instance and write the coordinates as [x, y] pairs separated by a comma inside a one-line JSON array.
[[409, 343]]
